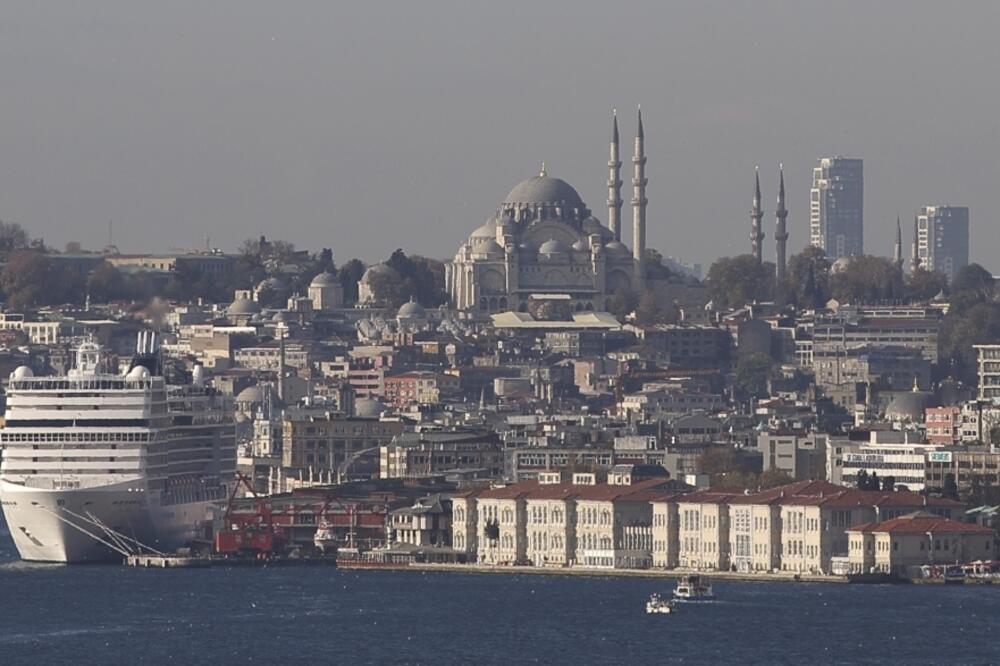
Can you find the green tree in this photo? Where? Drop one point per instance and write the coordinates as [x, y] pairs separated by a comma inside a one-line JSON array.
[[974, 279], [13, 238], [28, 280], [623, 302], [867, 279], [651, 309], [752, 374], [105, 283], [389, 291], [736, 281], [809, 278], [960, 330], [349, 274], [923, 285]]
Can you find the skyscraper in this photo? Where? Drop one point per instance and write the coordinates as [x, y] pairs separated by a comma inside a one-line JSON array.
[[836, 205], [943, 239]]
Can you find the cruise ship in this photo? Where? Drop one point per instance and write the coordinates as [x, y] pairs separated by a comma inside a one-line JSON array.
[[96, 462]]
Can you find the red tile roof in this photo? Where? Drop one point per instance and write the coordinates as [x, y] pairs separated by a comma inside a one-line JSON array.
[[922, 523]]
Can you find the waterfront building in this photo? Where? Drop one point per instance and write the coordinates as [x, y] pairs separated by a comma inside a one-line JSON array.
[[703, 530], [902, 544], [836, 207], [427, 523], [943, 239]]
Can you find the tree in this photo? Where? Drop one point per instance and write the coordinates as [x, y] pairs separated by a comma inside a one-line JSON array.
[[105, 283], [652, 310], [923, 285], [889, 483], [623, 302], [950, 489], [861, 480], [13, 238], [349, 274], [974, 279], [388, 291], [809, 278], [960, 331], [752, 374], [736, 281], [867, 279], [27, 280], [73, 247]]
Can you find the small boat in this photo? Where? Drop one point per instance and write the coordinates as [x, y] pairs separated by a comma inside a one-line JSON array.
[[693, 588], [658, 605], [954, 575]]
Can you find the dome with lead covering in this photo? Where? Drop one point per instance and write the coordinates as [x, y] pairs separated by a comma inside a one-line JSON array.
[[243, 306], [544, 189], [324, 279], [411, 310], [552, 246]]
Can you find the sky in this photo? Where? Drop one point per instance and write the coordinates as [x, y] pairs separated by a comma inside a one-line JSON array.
[[367, 126]]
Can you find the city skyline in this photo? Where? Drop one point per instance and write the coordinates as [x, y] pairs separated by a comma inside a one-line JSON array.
[[266, 122]]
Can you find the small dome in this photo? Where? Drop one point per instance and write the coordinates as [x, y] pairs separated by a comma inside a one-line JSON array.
[[243, 306], [488, 230], [22, 372], [251, 394], [908, 407], [379, 269], [487, 246], [325, 279], [840, 265], [617, 248], [411, 310], [282, 316], [581, 246], [544, 189], [138, 372], [368, 408], [552, 246]]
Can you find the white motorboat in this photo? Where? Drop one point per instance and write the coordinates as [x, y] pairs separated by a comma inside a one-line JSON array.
[[658, 605], [693, 588]]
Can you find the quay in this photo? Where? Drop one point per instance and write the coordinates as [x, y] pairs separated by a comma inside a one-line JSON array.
[[167, 561]]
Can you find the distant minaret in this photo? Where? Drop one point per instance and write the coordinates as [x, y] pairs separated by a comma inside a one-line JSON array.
[[615, 184], [780, 230], [639, 208], [915, 250], [756, 215], [897, 248]]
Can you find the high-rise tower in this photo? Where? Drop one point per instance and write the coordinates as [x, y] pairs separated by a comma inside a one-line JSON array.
[[897, 248], [615, 184], [836, 205], [915, 248], [639, 208], [943, 236], [756, 215], [780, 229]]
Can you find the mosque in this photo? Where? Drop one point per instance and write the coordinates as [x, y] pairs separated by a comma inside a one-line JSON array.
[[543, 242]]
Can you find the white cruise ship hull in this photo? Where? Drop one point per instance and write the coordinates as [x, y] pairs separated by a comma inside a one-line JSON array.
[[44, 528]]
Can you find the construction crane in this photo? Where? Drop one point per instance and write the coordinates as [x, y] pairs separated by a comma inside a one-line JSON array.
[[248, 533]]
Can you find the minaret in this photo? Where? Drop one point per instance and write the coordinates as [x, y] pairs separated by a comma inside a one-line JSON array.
[[780, 230], [756, 215], [639, 208], [915, 250], [615, 184], [897, 248]]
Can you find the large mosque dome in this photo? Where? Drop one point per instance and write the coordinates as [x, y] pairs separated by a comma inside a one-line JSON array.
[[543, 243], [544, 189]]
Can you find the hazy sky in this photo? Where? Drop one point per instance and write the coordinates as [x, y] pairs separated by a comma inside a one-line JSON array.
[[366, 126]]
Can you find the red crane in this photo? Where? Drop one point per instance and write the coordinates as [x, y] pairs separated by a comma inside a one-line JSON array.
[[248, 533]]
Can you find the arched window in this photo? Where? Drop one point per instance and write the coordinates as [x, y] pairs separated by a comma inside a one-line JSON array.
[[484, 304], [502, 303]]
